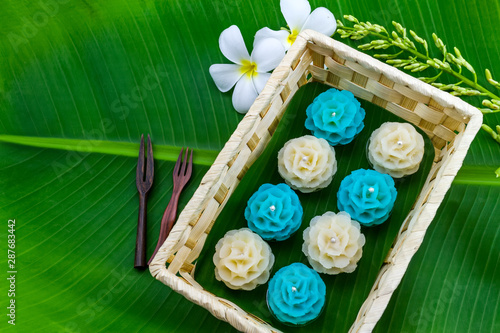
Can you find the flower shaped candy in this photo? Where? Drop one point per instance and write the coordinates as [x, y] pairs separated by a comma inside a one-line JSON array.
[[242, 260], [333, 243], [396, 149], [298, 17], [335, 116], [296, 294], [274, 212], [307, 163], [249, 72], [367, 195]]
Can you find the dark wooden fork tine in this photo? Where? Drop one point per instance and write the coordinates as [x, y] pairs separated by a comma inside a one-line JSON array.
[[183, 169], [140, 165], [190, 166], [178, 163], [150, 166]]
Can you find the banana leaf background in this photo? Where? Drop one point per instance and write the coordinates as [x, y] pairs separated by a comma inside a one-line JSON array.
[[81, 80]]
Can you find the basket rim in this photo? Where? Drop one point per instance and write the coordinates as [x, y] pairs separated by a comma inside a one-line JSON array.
[[187, 286]]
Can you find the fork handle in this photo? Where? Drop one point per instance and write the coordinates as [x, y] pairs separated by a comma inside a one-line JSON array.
[[140, 243], [167, 221]]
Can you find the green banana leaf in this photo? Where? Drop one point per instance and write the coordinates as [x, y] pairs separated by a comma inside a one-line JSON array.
[[80, 81]]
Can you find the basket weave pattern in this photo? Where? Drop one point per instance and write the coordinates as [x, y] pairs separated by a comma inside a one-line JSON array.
[[450, 123]]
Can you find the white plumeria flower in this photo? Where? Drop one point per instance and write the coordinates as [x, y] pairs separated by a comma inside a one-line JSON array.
[[249, 72], [298, 17]]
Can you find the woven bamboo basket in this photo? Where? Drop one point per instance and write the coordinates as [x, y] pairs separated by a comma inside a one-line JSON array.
[[450, 123]]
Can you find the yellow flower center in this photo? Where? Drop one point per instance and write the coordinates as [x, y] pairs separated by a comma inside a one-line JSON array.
[[292, 37], [249, 68]]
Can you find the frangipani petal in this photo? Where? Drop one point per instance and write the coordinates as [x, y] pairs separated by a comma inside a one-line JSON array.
[[225, 75], [232, 45], [260, 80], [280, 35], [295, 13], [267, 54], [244, 94], [321, 20]]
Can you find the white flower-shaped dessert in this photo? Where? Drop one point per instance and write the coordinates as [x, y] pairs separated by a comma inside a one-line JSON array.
[[396, 149], [242, 259], [333, 243], [307, 163], [298, 17], [249, 72]]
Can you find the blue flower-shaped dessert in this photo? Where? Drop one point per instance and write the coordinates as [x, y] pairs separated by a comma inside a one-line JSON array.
[[296, 294], [274, 212], [367, 195], [335, 116]]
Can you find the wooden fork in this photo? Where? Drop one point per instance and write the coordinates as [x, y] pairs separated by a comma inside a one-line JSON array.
[[182, 174], [144, 181]]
